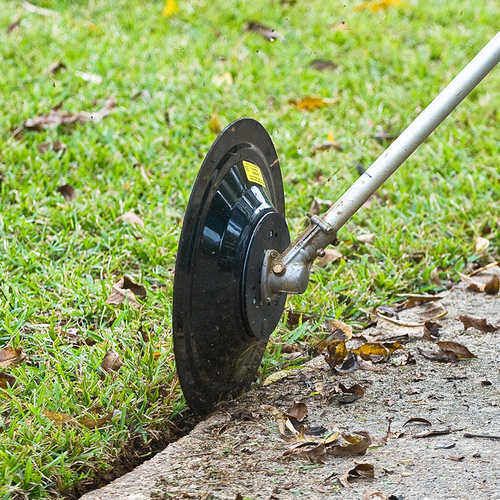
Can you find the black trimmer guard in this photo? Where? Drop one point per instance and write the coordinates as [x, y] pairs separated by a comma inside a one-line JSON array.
[[235, 213]]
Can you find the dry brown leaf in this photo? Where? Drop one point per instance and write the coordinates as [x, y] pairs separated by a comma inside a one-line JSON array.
[[55, 67], [457, 349], [126, 290], [331, 143], [377, 5], [481, 245], [58, 117], [432, 330], [323, 64], [131, 218], [481, 324], [310, 103], [350, 364], [417, 420], [111, 362], [14, 25], [58, 418], [348, 445], [312, 451], [375, 351], [6, 380], [55, 146], [214, 124], [335, 352], [68, 192], [349, 394], [433, 432], [268, 33], [297, 411], [93, 422], [10, 356], [318, 205], [339, 330], [366, 238], [294, 318], [330, 255], [375, 495], [492, 286], [276, 376], [359, 471]]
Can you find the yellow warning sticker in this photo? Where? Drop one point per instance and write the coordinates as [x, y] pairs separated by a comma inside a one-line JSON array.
[[254, 173]]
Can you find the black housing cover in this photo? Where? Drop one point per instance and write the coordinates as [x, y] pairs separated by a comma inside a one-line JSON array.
[[235, 213]]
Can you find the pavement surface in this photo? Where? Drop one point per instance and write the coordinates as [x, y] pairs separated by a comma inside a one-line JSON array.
[[237, 452]]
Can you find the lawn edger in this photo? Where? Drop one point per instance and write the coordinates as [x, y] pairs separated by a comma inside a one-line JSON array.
[[235, 264]]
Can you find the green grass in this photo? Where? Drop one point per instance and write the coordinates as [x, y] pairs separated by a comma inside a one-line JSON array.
[[58, 259]]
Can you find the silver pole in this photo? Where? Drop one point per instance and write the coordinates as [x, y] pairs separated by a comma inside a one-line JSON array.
[[289, 272], [413, 135]]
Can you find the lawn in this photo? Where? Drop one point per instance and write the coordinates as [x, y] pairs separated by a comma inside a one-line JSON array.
[[65, 420]]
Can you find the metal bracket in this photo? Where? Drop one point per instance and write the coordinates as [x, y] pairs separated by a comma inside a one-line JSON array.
[[322, 224]]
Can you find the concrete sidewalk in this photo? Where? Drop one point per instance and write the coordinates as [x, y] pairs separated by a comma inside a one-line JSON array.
[[237, 452]]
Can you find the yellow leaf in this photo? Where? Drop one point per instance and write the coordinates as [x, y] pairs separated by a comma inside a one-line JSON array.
[[170, 8], [377, 5], [310, 103], [372, 349], [330, 137], [214, 123]]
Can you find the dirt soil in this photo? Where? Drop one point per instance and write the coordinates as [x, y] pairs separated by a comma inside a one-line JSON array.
[[237, 452]]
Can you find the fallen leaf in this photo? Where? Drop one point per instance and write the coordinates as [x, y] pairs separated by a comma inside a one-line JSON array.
[[318, 205], [275, 377], [93, 422], [6, 380], [58, 117], [359, 471], [314, 452], [214, 124], [350, 444], [55, 67], [481, 245], [331, 143], [432, 330], [457, 349], [377, 495], [55, 146], [349, 365], [171, 8], [10, 356], [68, 192], [483, 436], [126, 290], [456, 458], [297, 411], [268, 33], [383, 137], [335, 352], [417, 420], [377, 5], [330, 255], [481, 324], [131, 218], [338, 329], [375, 351], [310, 103], [89, 77], [224, 79], [58, 418], [433, 432], [493, 285], [111, 362], [14, 25], [349, 394], [323, 64], [366, 238], [294, 318]]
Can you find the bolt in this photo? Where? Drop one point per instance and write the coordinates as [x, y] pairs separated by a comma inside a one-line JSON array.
[[320, 252], [278, 268]]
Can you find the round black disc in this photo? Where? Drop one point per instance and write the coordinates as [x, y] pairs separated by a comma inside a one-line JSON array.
[[235, 213]]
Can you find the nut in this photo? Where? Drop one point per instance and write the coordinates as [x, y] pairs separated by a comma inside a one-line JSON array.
[[278, 268]]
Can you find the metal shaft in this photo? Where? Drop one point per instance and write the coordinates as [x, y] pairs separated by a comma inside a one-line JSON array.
[[296, 260]]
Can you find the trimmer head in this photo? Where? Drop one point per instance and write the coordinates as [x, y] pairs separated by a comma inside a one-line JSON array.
[[235, 213]]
